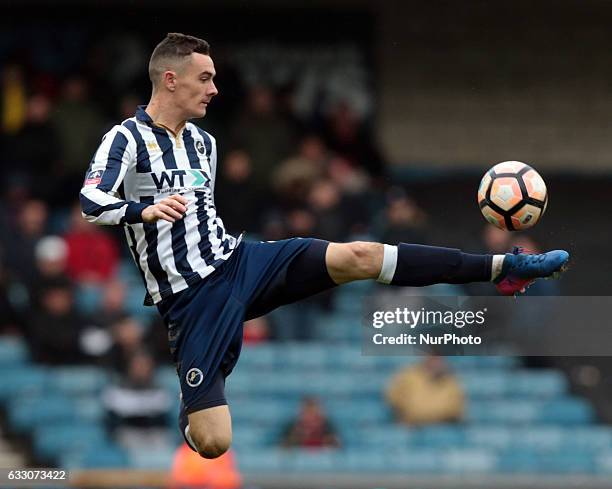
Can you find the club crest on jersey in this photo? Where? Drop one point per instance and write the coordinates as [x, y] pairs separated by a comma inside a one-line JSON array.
[[200, 147], [194, 377], [94, 177], [179, 178]]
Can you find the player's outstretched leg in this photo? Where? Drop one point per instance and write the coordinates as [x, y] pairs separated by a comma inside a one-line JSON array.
[[419, 265]]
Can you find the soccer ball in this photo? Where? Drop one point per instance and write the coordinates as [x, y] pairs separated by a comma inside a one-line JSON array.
[[512, 196]]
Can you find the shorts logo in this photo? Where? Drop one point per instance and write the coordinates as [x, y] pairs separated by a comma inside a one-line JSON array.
[[200, 147], [194, 377]]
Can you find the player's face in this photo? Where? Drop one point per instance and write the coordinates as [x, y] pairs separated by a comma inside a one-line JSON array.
[[195, 86]]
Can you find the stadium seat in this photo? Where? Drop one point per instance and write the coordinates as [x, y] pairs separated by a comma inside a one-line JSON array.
[[249, 436], [349, 413], [317, 461], [167, 378], [270, 460], [520, 384], [264, 412], [78, 380], [155, 458], [468, 461], [87, 298], [89, 408], [259, 356], [440, 436], [51, 440], [356, 461], [384, 436], [103, 456], [563, 410], [22, 381], [14, 351], [31, 412], [422, 461], [603, 462], [531, 461]]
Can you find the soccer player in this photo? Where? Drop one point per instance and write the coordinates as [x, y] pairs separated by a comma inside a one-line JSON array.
[[154, 174]]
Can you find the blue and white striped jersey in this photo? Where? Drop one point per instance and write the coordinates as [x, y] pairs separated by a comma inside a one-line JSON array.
[[139, 163]]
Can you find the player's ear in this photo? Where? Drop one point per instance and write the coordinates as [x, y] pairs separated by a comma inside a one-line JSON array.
[[170, 80]]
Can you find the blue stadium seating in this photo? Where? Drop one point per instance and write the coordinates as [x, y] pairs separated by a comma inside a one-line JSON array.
[[13, 351], [102, 456], [62, 437], [78, 380], [22, 380], [518, 421], [34, 411]]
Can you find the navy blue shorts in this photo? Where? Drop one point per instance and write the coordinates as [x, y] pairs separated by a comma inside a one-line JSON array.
[[205, 321]]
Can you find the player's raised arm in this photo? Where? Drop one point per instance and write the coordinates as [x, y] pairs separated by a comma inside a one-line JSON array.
[[100, 201], [99, 197]]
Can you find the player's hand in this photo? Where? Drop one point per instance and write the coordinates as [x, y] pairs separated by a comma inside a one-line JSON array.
[[169, 209]]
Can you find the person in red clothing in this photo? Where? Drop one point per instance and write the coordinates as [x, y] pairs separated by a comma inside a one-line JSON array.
[[190, 471], [93, 255], [311, 428]]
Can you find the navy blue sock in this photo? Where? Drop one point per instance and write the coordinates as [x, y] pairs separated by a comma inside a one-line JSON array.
[[419, 265]]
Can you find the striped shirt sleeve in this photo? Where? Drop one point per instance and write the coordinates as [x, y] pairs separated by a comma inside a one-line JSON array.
[[213, 161], [99, 197]]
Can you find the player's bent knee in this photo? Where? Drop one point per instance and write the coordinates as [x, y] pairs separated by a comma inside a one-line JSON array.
[[211, 446], [211, 431], [358, 260], [367, 258]]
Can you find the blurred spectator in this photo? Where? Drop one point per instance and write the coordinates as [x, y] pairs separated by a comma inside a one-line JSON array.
[[426, 393], [300, 222], [97, 339], [189, 471], [351, 180], [237, 199], [33, 152], [311, 428], [496, 240], [20, 240], [93, 255], [112, 307], [263, 134], [136, 400], [76, 110], [127, 339], [274, 225], [355, 186], [295, 176], [348, 137], [54, 327], [10, 321], [325, 203], [404, 220], [13, 99], [137, 407], [127, 105], [51, 254]]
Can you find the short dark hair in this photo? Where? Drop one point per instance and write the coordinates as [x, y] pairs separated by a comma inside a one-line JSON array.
[[174, 47]]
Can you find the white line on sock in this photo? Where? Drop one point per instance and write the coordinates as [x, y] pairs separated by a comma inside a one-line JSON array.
[[389, 264]]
